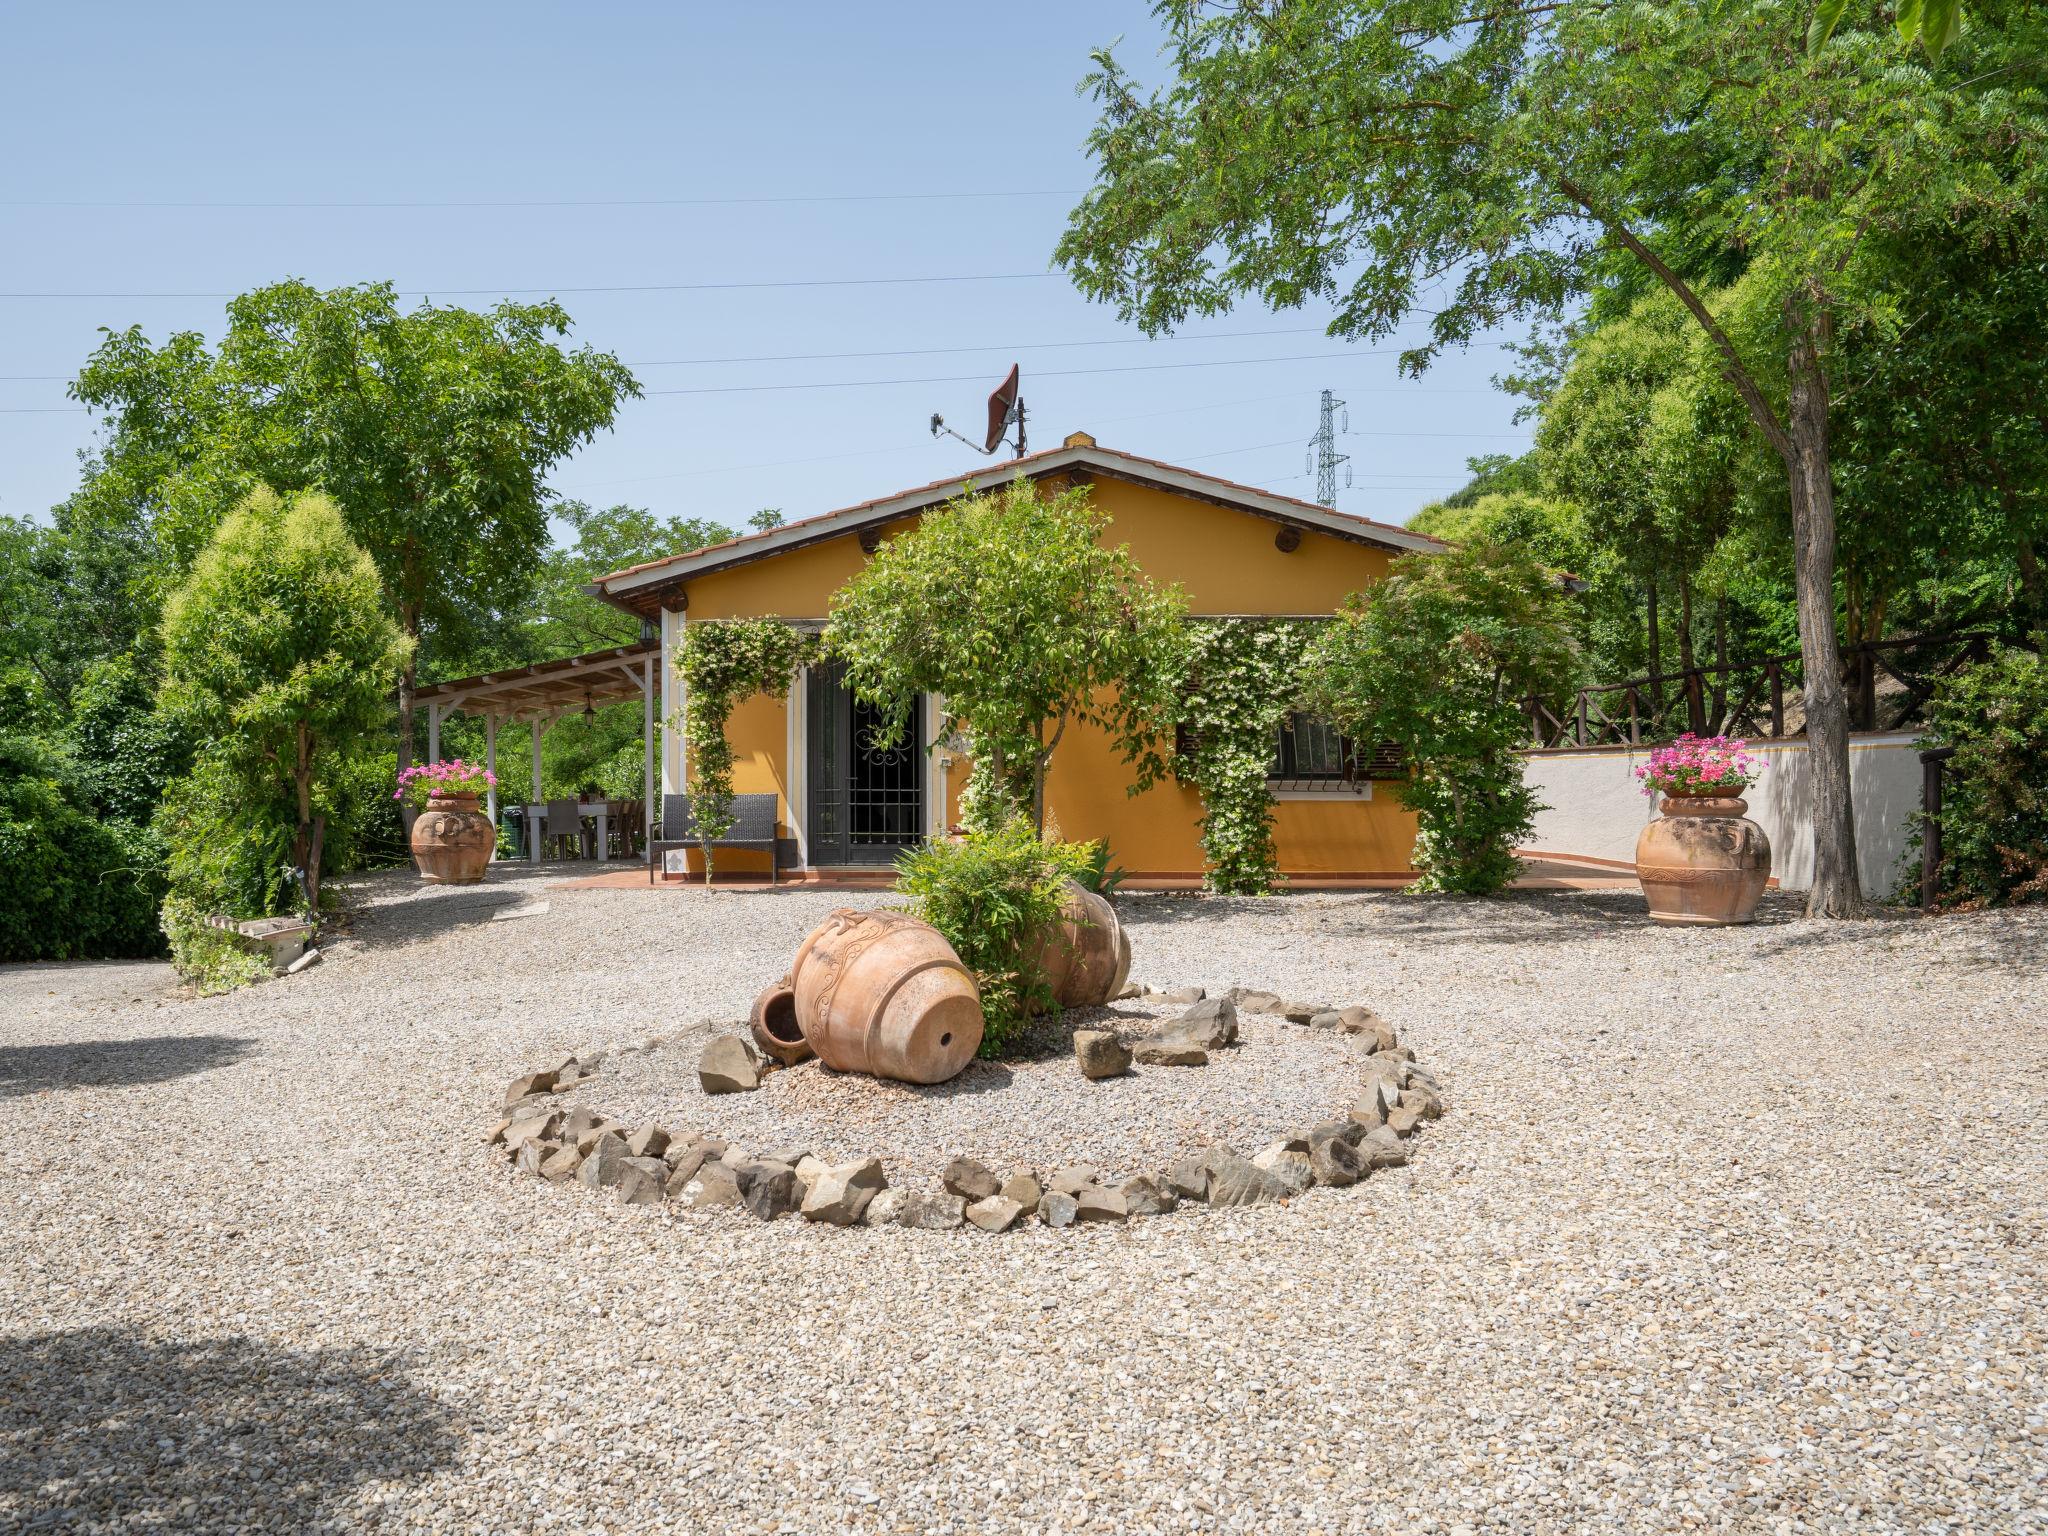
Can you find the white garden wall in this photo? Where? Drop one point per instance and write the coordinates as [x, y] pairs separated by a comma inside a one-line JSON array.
[[1597, 808]]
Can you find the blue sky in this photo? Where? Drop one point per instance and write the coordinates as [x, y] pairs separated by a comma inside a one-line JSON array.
[[642, 128]]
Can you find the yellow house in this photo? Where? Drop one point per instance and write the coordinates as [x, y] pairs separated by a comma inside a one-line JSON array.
[[1235, 550]]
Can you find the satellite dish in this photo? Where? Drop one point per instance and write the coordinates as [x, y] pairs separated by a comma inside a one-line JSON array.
[[1005, 410], [1002, 410]]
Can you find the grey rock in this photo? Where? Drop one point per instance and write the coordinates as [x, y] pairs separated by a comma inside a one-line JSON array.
[[1417, 1097], [1383, 1148], [532, 1155], [1404, 1119], [1234, 1181], [1146, 1196], [305, 962], [1300, 1013], [1072, 1180], [648, 1141], [768, 1188], [1256, 1002], [1100, 1204], [1212, 1022], [1100, 1054], [1170, 1051], [840, 1194], [884, 1209], [1366, 1111], [1348, 1131], [682, 1171], [560, 1165], [1023, 1187], [970, 1180], [714, 1184], [533, 1082], [1331, 1020], [1129, 989], [642, 1181], [1287, 1163], [581, 1121], [1056, 1208], [997, 1213], [1189, 1178], [1334, 1161], [534, 1127], [1180, 995], [604, 1161], [932, 1213], [809, 1170], [729, 1065]]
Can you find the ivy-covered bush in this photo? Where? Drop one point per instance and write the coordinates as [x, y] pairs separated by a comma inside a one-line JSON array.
[[1994, 810], [72, 887], [227, 854], [1436, 658], [724, 662], [991, 894], [1243, 675]]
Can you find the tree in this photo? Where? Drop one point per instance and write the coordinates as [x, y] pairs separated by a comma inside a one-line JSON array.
[[766, 518], [432, 429], [1010, 605], [1516, 157], [278, 654], [1438, 658]]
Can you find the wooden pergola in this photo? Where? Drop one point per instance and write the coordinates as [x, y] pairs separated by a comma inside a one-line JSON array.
[[541, 694]]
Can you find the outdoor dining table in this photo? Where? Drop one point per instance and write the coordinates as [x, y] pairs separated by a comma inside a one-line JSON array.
[[601, 810]]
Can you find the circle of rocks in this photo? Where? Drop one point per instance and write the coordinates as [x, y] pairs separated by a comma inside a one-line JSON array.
[[543, 1136]]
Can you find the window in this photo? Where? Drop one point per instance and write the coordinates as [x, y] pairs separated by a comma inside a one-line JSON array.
[[1310, 747]]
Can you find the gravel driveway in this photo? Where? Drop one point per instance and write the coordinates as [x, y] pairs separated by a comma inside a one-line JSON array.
[[1734, 1229]]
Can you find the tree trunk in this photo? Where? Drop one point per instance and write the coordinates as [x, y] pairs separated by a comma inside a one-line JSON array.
[[1721, 721], [2036, 597], [1695, 708], [408, 686], [312, 830], [1656, 652], [1836, 891]]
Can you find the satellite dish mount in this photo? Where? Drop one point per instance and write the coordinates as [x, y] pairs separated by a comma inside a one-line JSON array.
[[1005, 410]]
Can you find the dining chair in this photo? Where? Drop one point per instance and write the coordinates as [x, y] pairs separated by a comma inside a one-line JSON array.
[[564, 820]]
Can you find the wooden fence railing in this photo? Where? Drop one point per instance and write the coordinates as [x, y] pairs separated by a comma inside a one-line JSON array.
[[1748, 698]]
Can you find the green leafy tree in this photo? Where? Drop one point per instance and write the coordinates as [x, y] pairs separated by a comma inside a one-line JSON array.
[[432, 429], [1994, 811], [1501, 162], [1010, 606], [766, 518], [76, 886], [1438, 659], [279, 654]]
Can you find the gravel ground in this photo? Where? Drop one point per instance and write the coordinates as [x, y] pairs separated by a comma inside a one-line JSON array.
[[1279, 1079], [1732, 1229]]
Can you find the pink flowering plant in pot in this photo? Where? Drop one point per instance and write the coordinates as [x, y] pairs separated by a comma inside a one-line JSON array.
[[1701, 767], [450, 776]]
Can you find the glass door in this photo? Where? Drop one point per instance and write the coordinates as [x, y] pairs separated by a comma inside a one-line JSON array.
[[866, 800]]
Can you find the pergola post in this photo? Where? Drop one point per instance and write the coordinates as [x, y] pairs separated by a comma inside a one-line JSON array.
[[434, 732], [647, 750], [673, 768], [491, 768]]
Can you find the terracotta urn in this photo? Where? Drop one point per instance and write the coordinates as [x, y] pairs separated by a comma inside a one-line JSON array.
[[1087, 957], [452, 840], [882, 993], [1703, 861]]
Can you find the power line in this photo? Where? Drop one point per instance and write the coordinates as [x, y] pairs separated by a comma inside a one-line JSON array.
[[470, 293], [597, 202], [1011, 346], [1055, 373]]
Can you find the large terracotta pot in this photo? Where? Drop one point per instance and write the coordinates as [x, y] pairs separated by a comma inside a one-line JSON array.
[[882, 993], [1702, 862], [1087, 957], [452, 840]]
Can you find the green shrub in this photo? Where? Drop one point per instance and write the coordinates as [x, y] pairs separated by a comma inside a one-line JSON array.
[[990, 894], [1994, 812], [74, 887]]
